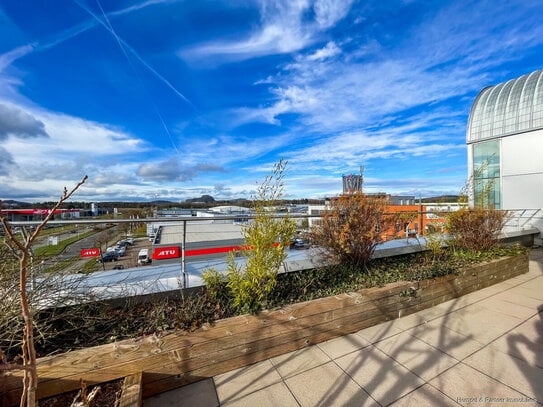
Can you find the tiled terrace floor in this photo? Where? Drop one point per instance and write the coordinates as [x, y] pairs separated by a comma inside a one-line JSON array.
[[485, 348]]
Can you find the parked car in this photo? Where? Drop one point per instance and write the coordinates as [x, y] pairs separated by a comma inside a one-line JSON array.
[[109, 256], [118, 267], [120, 250], [299, 244], [122, 243]]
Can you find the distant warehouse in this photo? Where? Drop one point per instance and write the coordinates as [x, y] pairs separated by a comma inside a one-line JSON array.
[[203, 241]]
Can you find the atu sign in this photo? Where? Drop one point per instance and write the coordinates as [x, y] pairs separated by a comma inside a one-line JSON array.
[[90, 252], [171, 252]]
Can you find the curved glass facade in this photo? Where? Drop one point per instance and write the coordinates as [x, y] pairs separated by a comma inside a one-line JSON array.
[[511, 107]]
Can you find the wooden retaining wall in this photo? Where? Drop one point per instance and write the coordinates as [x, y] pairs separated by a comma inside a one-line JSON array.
[[180, 358]]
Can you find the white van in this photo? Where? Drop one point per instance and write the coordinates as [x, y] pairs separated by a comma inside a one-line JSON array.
[[143, 256]]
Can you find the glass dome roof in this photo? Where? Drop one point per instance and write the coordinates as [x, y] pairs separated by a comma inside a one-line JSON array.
[[515, 106]]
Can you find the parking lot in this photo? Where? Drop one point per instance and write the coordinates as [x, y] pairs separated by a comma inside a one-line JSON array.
[[131, 258]]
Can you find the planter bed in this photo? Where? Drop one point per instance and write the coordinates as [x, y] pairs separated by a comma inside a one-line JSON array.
[[180, 358]]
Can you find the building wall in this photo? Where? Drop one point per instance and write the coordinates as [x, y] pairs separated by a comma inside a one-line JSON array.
[[418, 222], [521, 173], [522, 170], [510, 115], [416, 225]]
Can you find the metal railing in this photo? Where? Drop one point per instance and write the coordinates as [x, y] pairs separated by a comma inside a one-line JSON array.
[[521, 219]]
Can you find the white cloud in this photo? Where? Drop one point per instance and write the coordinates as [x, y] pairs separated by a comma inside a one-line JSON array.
[[449, 56], [9, 57], [330, 50], [231, 150], [284, 28], [74, 147], [172, 170], [329, 12]]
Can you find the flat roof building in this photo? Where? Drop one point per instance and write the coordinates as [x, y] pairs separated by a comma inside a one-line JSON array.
[[203, 240]]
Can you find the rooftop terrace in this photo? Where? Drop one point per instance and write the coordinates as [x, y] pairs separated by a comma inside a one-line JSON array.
[[484, 348]]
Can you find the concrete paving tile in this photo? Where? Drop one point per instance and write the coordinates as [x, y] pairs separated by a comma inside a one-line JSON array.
[[245, 380], [526, 276], [199, 394], [419, 357], [470, 299], [327, 385], [460, 302], [272, 396], [503, 307], [511, 282], [420, 317], [490, 290], [532, 329], [519, 299], [299, 361], [381, 331], [536, 267], [469, 387], [379, 375], [425, 396], [532, 291], [448, 341], [536, 282], [478, 323], [509, 370], [343, 345], [520, 346]]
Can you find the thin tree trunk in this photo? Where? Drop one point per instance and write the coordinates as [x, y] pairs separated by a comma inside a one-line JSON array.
[[30, 379]]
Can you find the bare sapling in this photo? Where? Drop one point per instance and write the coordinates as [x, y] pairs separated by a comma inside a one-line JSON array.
[[22, 250]]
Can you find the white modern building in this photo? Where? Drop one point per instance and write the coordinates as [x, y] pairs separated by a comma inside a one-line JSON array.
[[505, 145]]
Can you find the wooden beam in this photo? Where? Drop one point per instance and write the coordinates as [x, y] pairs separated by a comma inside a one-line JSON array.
[[131, 394]]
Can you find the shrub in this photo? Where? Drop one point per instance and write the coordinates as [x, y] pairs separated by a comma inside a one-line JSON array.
[[352, 226], [267, 238], [476, 228], [435, 244]]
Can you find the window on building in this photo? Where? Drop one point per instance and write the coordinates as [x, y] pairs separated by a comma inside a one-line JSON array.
[[486, 174]]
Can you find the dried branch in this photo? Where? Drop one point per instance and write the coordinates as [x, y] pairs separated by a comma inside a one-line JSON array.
[[66, 195], [30, 378]]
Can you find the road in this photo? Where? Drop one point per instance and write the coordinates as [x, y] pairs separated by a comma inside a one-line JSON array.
[[88, 242]]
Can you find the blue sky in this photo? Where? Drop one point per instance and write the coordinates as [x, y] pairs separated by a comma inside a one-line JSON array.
[[174, 99]]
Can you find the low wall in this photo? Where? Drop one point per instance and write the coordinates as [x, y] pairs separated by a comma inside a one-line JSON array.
[[181, 358]]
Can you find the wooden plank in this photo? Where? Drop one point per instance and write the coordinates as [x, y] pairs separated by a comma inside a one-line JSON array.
[[78, 362], [168, 364], [157, 382], [131, 393], [94, 367]]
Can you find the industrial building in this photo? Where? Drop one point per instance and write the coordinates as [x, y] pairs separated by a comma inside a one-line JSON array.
[[505, 145], [203, 240], [15, 215]]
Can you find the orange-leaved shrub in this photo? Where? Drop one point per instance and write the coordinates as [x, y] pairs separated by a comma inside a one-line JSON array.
[[476, 228], [352, 226]]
